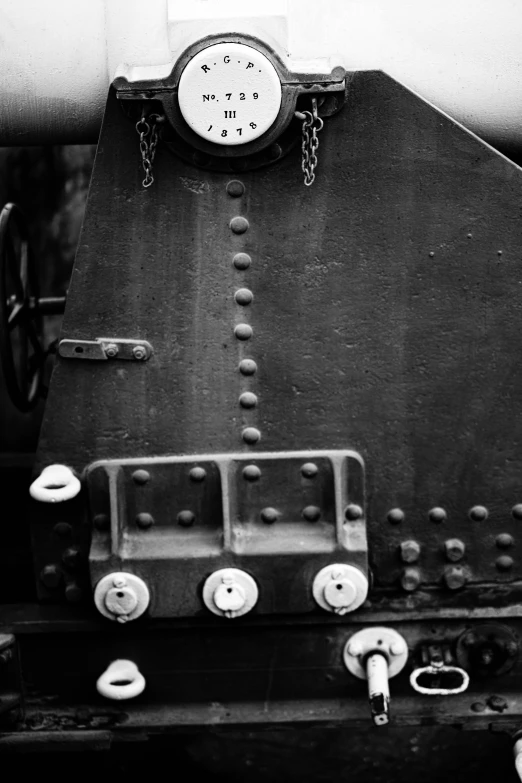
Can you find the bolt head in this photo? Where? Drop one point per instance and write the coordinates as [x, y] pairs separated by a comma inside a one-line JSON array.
[[355, 649], [139, 352], [397, 648], [454, 549], [410, 551]]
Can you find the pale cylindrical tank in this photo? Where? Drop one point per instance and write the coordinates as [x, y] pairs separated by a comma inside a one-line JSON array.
[[58, 57]]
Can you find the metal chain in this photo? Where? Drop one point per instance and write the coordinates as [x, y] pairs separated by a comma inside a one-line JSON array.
[[148, 133], [312, 124]]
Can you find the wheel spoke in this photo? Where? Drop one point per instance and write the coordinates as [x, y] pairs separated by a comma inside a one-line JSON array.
[[16, 315]]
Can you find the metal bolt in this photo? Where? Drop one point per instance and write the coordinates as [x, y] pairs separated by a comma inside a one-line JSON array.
[[235, 188], [410, 579], [242, 260], [238, 225], [455, 549], [353, 512], [51, 576], [355, 649], [269, 515], [410, 551], [186, 518], [504, 563], [309, 470], [139, 352], [497, 703], [395, 516], [251, 435], [504, 541], [469, 640], [144, 520], [243, 296], [478, 513], [111, 350], [454, 577], [119, 581], [251, 473], [243, 332], [248, 400], [311, 513], [71, 557], [247, 367], [198, 474], [397, 648], [437, 515], [141, 476]]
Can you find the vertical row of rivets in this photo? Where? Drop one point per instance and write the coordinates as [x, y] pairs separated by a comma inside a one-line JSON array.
[[243, 332]]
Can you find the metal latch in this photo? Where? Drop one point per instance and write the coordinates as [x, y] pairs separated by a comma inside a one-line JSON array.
[[440, 677], [103, 348]]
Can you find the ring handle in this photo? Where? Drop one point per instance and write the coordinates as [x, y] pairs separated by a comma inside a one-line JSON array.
[[55, 484], [121, 680], [437, 671]]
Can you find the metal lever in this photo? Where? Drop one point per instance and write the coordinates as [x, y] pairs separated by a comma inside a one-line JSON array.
[[376, 655]]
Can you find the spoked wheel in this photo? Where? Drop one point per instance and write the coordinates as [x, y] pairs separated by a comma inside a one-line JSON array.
[[22, 352]]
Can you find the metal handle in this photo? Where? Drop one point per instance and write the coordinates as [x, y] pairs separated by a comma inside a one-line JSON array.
[[122, 680], [437, 670], [55, 484]]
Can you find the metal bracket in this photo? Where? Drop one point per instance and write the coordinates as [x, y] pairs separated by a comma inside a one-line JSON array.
[[103, 348]]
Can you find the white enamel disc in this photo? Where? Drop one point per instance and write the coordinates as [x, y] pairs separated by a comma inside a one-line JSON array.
[[229, 93]]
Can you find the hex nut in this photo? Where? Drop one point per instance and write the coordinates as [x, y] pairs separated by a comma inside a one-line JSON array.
[[139, 352], [454, 549], [410, 551]]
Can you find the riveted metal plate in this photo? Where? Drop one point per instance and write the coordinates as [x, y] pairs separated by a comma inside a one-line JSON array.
[[280, 516]]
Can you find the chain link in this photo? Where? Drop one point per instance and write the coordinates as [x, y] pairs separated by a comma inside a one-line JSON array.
[[147, 129], [312, 124]]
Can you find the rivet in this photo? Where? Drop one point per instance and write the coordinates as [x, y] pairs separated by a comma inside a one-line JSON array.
[[395, 516], [409, 551], [101, 521], [198, 474], [186, 518], [141, 476], [311, 513], [251, 435], [437, 515], [73, 593], [251, 473], [62, 529], [431, 253], [454, 577], [243, 296], [478, 706], [248, 400], [504, 563], [454, 549], [51, 576], [239, 225], [242, 260], [144, 520], [71, 557], [269, 515], [504, 540], [469, 236], [139, 352], [353, 512], [478, 513], [235, 188], [517, 511], [309, 470], [243, 331], [410, 579], [247, 367]]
